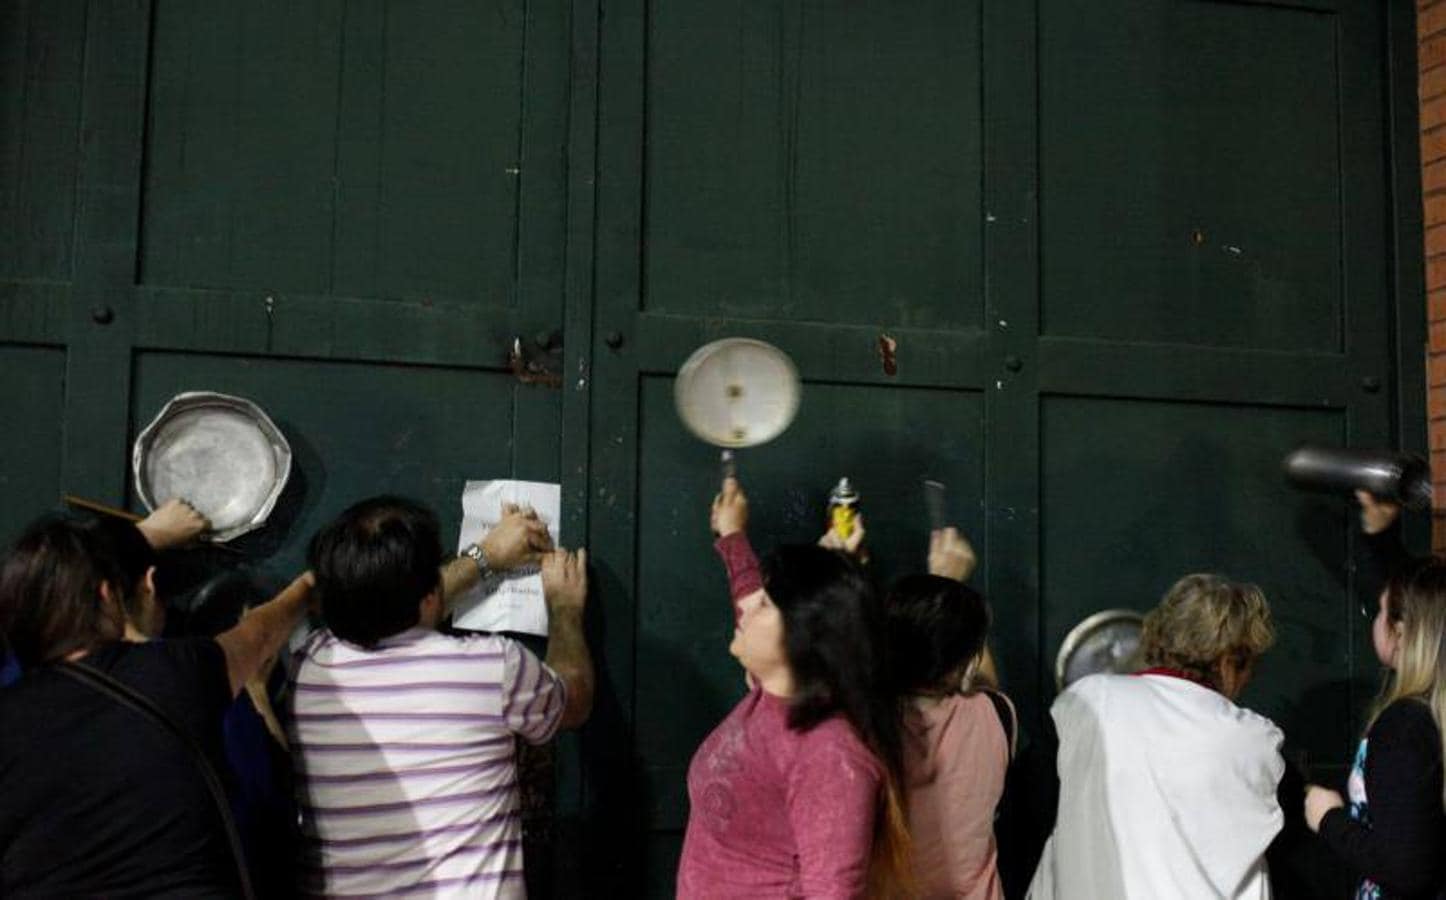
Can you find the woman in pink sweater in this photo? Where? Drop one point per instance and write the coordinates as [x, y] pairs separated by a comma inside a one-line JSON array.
[[957, 740], [796, 792]]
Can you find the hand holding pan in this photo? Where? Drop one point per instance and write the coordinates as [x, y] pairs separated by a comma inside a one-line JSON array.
[[174, 523], [735, 393]]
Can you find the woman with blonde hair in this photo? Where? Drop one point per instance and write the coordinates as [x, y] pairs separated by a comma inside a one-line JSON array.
[[1393, 831], [1167, 787]]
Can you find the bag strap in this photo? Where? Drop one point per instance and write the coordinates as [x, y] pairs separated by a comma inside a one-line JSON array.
[[133, 699], [1004, 709]]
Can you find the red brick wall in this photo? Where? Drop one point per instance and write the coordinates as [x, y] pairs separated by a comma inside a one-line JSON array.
[[1431, 59]]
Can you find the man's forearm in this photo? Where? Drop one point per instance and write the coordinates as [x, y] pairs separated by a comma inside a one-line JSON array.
[[458, 576], [568, 656], [261, 632]]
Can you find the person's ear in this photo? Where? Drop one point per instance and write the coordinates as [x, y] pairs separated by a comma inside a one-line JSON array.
[[111, 605], [148, 580], [431, 608]]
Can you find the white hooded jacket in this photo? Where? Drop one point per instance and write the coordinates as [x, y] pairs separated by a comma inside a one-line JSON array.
[[1167, 790]]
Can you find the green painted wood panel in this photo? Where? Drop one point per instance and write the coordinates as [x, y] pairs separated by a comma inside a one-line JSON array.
[[1190, 173], [814, 162], [327, 147], [1142, 492], [355, 430], [30, 478], [41, 53]]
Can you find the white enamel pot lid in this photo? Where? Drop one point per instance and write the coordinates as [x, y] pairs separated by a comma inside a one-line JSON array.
[[737, 392]]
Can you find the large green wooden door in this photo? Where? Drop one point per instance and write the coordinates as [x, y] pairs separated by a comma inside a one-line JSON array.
[[1131, 254], [349, 212], [344, 211]]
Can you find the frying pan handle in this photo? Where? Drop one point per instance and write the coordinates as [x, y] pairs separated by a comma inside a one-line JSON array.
[[82, 503]]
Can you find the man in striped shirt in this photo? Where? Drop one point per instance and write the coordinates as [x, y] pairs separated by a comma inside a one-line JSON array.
[[404, 736]]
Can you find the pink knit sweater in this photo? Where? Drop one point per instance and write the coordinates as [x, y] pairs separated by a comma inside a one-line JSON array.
[[777, 812]]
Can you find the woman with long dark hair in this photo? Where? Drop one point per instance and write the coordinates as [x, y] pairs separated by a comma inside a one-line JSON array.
[[797, 792], [108, 747]]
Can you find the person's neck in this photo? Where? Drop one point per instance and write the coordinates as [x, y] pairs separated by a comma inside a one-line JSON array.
[[778, 682]]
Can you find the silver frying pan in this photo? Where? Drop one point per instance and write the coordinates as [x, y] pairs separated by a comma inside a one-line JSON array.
[[1108, 641], [220, 453]]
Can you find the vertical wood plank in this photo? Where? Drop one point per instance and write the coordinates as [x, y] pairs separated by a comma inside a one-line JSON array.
[[1011, 312], [98, 368]]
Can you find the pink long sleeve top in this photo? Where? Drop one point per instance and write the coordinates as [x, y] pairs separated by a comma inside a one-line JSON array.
[[777, 812]]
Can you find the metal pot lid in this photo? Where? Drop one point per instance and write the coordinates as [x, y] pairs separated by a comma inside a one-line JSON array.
[[1108, 641], [220, 453], [737, 392]]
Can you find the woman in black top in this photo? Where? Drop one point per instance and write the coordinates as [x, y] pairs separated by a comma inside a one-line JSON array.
[[1392, 827], [99, 800]]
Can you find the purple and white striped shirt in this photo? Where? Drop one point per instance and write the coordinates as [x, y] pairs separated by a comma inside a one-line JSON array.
[[405, 766]]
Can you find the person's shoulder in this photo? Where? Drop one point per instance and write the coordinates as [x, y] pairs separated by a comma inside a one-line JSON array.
[[172, 656], [1230, 718], [186, 656], [183, 648], [1093, 689], [1236, 729], [1407, 716], [833, 738], [479, 641], [17, 699], [1258, 729], [478, 645], [972, 706]]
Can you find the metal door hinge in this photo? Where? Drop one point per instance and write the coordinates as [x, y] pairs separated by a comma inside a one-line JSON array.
[[540, 365]]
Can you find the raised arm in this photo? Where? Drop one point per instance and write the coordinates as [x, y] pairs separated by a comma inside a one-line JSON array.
[[564, 584], [729, 519], [261, 633], [952, 556], [1386, 552]]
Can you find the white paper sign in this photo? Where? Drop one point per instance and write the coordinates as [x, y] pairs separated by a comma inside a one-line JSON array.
[[513, 602]]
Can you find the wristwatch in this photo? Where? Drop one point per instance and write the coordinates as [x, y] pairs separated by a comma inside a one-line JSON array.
[[474, 553]]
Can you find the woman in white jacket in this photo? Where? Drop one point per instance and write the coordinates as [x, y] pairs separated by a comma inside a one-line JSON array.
[[1167, 788]]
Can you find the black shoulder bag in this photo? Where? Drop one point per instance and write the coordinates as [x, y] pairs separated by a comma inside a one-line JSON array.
[[133, 699]]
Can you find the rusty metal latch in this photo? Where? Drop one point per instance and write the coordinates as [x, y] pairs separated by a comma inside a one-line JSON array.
[[541, 364]]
